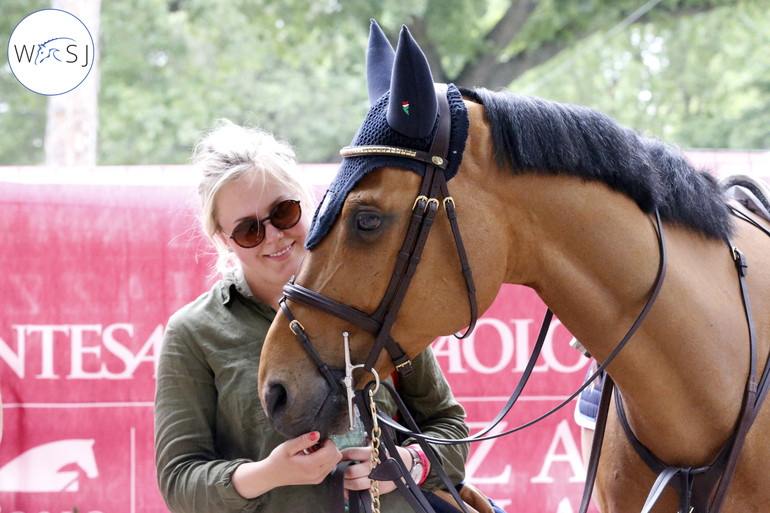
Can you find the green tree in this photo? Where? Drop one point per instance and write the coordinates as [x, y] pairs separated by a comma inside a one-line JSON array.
[[700, 81], [22, 112], [171, 68]]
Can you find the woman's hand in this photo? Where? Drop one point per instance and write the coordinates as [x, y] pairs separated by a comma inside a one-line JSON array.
[[357, 475], [299, 461]]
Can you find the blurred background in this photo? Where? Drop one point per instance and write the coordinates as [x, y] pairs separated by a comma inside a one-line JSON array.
[[694, 72]]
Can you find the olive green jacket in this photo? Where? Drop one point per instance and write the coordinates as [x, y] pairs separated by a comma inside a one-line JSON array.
[[209, 420]]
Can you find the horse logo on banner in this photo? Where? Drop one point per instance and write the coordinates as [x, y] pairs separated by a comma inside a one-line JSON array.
[[42, 468]]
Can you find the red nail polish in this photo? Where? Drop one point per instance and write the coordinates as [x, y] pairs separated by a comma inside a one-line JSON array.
[[313, 436]]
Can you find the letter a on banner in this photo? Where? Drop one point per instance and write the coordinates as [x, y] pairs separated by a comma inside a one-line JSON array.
[[571, 456]]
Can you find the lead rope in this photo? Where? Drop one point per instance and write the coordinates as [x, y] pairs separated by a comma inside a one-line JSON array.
[[374, 460]]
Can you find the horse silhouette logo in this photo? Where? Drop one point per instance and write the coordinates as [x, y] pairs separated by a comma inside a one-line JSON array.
[[51, 467], [53, 48], [51, 52]]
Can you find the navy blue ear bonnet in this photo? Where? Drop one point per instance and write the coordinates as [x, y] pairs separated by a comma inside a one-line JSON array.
[[377, 130]]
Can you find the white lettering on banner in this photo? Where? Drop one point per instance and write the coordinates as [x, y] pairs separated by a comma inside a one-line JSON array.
[[565, 506], [571, 455], [480, 453], [76, 335], [78, 349], [506, 343], [513, 349], [450, 347]]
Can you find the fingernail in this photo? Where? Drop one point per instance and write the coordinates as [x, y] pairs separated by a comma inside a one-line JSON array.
[[314, 436]]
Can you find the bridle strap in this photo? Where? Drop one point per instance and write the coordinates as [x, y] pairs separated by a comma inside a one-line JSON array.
[[449, 206], [299, 331], [406, 267], [315, 300]]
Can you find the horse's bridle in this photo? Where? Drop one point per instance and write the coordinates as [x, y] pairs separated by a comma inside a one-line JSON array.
[[426, 205]]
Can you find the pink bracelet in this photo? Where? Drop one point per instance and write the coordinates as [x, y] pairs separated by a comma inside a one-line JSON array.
[[423, 460]]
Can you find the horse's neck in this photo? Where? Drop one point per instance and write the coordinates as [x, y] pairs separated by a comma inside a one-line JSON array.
[[595, 259]]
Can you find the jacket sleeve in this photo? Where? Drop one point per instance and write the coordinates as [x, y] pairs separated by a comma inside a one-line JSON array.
[[191, 476], [427, 395]]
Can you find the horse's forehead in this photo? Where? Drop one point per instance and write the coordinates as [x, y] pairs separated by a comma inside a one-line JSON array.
[[385, 187]]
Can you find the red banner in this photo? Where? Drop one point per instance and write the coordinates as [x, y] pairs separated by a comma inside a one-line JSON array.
[[93, 264]]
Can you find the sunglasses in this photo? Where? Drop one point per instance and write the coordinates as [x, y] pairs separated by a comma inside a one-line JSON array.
[[251, 232]]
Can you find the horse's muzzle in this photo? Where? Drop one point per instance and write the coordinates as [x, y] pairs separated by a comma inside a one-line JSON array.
[[293, 411]]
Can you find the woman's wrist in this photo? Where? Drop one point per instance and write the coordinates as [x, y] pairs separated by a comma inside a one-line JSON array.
[[252, 479], [420, 464]]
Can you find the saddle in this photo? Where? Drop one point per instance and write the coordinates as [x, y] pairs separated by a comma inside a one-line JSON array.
[[752, 194]]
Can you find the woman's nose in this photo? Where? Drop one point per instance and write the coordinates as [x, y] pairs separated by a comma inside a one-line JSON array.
[[272, 233]]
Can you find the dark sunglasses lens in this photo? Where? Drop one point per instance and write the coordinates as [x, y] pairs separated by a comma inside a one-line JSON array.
[[286, 214], [248, 234]]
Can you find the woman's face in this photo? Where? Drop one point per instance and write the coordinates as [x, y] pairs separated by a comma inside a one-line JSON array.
[[269, 265]]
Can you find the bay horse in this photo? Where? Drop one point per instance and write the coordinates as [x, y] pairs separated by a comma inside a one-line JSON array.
[[563, 200]]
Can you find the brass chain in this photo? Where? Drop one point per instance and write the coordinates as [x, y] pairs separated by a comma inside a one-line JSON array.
[[374, 487]]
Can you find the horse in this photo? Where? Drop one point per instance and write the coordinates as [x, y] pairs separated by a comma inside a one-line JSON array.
[[558, 198]]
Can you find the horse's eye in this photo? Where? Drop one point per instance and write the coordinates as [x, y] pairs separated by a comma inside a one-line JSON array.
[[368, 221]]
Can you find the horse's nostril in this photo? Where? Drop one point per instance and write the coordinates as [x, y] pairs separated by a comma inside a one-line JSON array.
[[275, 399]]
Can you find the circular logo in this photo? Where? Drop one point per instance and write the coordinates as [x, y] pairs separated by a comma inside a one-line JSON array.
[[51, 52]]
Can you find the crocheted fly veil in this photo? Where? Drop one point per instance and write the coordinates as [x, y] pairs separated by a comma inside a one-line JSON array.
[[403, 113]]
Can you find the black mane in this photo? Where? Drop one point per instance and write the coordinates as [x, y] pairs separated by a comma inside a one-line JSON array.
[[537, 135]]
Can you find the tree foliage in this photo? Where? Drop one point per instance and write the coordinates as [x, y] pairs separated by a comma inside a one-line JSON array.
[[695, 72]]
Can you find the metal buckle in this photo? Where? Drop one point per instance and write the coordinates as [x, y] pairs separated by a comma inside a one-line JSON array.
[[347, 381], [417, 200], [296, 327], [403, 364]]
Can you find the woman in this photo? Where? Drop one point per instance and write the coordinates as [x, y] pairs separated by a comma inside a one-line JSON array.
[[215, 450]]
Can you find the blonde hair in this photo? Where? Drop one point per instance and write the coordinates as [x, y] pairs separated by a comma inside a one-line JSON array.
[[231, 152]]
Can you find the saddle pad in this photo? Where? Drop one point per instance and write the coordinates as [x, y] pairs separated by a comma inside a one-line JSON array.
[[587, 407]]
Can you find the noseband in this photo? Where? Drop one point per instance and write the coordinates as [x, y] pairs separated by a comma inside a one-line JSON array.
[[426, 205]]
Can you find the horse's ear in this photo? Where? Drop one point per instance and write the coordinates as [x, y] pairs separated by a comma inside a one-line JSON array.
[[413, 106], [379, 62]]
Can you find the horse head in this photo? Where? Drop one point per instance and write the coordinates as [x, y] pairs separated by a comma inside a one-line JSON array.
[[44, 51], [355, 240]]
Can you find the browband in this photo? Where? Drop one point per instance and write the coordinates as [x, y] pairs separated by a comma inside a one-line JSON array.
[[368, 151]]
